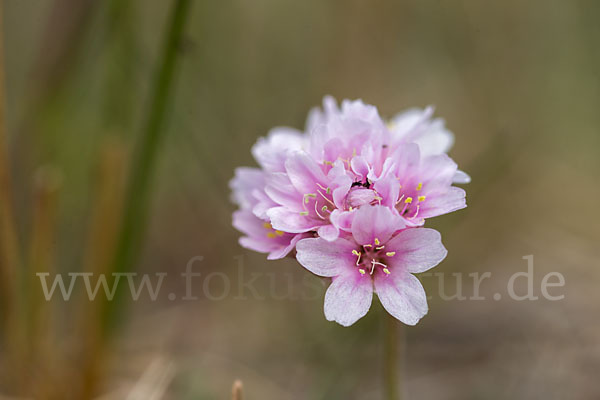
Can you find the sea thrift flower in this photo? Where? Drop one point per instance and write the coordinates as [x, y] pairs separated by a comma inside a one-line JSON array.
[[351, 159], [348, 197], [378, 256], [247, 191]]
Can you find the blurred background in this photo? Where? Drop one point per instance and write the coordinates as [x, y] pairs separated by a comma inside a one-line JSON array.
[[516, 81]]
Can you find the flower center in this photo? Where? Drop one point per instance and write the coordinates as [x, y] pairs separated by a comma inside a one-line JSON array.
[[410, 202], [372, 257]]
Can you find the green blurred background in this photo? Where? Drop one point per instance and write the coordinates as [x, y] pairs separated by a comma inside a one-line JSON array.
[[516, 81]]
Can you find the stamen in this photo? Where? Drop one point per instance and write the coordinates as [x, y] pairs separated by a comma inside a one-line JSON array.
[[387, 271], [373, 263], [326, 199], [377, 242], [267, 225], [303, 213], [421, 198], [416, 213], [420, 186], [362, 271], [309, 195], [356, 253], [390, 253], [279, 233], [400, 200], [316, 211], [271, 235], [327, 190], [408, 200], [367, 245], [379, 247]]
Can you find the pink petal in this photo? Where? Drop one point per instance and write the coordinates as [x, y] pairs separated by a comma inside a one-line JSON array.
[[360, 166], [348, 298], [304, 172], [280, 189], [286, 220], [342, 219], [461, 177], [244, 182], [402, 295], [325, 258], [439, 204], [271, 152], [389, 189], [328, 232], [371, 222], [417, 250], [285, 250]]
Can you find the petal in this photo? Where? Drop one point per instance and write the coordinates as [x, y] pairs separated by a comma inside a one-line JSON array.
[[417, 250], [271, 152], [360, 166], [439, 204], [342, 219], [436, 139], [325, 258], [348, 298], [389, 190], [328, 232], [371, 222], [402, 295], [246, 222], [256, 244], [280, 189], [285, 250], [287, 220], [461, 177], [244, 182], [304, 172]]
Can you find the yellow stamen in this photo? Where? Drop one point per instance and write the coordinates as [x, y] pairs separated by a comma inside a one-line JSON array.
[[362, 271], [303, 213], [279, 233], [356, 253], [377, 242], [267, 225], [420, 186], [408, 200], [421, 198], [324, 208], [379, 247], [387, 271], [390, 253], [271, 235]]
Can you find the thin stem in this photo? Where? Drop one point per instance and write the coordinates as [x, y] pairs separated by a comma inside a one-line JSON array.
[[140, 179], [393, 359]]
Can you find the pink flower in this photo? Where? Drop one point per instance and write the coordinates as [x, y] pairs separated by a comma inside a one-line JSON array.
[[352, 159], [248, 192], [378, 256]]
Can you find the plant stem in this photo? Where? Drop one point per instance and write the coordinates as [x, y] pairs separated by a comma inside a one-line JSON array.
[[140, 179], [393, 358]]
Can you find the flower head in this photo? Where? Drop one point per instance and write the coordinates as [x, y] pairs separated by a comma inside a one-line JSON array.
[[350, 195]]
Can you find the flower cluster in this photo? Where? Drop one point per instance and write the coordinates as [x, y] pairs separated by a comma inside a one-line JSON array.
[[349, 198]]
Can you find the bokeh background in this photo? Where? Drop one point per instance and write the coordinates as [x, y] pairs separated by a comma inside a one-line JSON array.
[[516, 81]]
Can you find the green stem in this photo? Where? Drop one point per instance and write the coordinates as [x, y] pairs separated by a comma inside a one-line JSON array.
[[393, 359], [140, 179]]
